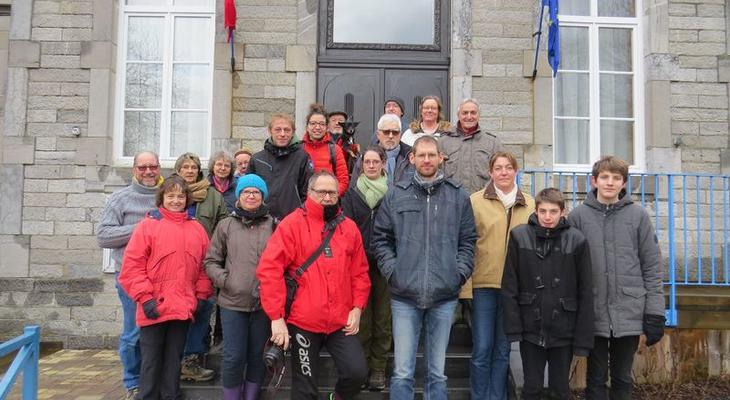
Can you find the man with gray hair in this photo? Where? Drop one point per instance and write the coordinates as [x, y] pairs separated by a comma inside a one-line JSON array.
[[397, 165], [467, 149], [124, 209]]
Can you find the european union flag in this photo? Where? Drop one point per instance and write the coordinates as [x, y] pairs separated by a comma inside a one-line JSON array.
[[553, 34]]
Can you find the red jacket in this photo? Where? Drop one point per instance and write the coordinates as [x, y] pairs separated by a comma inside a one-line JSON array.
[[164, 261], [330, 288], [319, 153]]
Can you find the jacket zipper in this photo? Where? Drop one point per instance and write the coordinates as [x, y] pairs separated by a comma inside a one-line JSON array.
[[428, 241]]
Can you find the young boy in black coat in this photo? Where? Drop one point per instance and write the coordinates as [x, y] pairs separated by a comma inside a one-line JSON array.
[[548, 296]]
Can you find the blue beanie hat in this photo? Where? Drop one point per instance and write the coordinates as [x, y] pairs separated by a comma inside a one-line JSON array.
[[254, 181]]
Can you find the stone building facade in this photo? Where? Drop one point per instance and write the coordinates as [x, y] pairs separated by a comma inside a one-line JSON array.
[[60, 65]]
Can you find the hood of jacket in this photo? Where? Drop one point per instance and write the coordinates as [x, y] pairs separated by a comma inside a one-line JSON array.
[[277, 151]]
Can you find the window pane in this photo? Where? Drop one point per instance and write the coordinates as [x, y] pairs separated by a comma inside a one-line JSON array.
[[575, 7], [571, 94], [191, 39], [616, 8], [573, 48], [145, 38], [384, 21], [617, 138], [144, 86], [190, 86], [195, 3], [615, 49], [141, 132], [616, 96], [188, 132], [146, 2], [571, 141]]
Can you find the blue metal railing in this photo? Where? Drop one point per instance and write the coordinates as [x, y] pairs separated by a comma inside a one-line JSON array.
[[26, 361], [691, 216]]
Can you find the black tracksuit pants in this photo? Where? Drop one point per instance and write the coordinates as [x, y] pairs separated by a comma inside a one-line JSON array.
[[161, 347], [534, 358], [346, 353], [614, 355]]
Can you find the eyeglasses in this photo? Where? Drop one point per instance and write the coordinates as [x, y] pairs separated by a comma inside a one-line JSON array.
[[314, 123], [325, 193], [390, 132], [251, 193], [142, 168]]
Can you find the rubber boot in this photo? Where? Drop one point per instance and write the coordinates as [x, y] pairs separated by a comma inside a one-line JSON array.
[[233, 393], [251, 390]]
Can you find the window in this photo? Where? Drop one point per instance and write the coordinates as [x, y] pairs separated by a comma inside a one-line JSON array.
[[165, 78], [597, 94], [409, 22]]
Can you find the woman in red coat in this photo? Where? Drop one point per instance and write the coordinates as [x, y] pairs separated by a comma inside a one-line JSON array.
[[162, 271], [325, 154]]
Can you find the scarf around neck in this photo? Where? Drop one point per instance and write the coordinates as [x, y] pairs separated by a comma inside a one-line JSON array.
[[507, 199], [199, 190], [221, 185], [372, 189], [427, 185]]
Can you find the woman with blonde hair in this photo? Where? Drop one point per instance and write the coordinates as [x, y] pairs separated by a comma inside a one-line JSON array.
[[430, 121]]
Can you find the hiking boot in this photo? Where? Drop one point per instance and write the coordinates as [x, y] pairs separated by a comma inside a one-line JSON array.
[[377, 380], [192, 370], [132, 394]]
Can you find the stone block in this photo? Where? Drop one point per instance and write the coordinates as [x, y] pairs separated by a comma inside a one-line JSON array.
[[276, 65], [265, 51], [269, 37], [37, 228], [103, 20], [59, 75], [697, 23], [58, 102], [713, 102], [62, 21], [74, 228], [710, 10], [75, 88], [41, 116], [54, 61], [46, 270], [54, 157], [46, 7], [57, 242], [74, 299], [18, 150], [38, 299], [45, 144], [686, 61], [44, 89], [712, 36], [46, 34], [86, 285], [74, 7], [14, 119], [43, 256], [99, 89], [706, 75], [266, 105], [44, 199], [20, 23], [11, 198], [682, 10], [86, 200], [24, 53], [65, 214], [73, 116], [11, 284], [301, 58], [34, 213], [95, 313], [67, 186], [713, 128], [723, 68], [61, 48], [709, 89], [92, 151], [96, 55], [254, 64], [76, 34], [279, 92], [35, 185], [14, 255], [683, 35], [82, 242]]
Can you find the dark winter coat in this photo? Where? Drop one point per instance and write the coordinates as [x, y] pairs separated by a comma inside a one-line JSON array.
[[627, 276], [286, 171], [229, 196], [355, 208], [547, 287], [403, 168]]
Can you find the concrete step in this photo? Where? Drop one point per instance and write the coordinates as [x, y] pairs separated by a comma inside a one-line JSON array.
[[214, 392], [702, 306]]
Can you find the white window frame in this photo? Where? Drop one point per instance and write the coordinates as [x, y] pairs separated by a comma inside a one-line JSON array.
[[593, 23], [169, 11]]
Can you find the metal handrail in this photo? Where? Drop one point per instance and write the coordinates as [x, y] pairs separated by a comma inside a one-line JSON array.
[[691, 216], [26, 361]]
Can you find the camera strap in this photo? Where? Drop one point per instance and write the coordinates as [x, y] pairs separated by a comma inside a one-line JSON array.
[[330, 226]]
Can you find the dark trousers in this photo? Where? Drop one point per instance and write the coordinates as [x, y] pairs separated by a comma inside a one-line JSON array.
[[616, 355], [244, 336], [346, 352], [161, 346], [376, 333], [534, 358]]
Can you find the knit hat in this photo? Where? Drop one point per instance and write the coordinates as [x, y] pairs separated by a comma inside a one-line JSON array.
[[398, 100], [254, 181]]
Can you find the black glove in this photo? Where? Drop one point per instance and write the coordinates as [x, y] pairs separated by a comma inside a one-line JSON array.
[[653, 328], [201, 303], [150, 309]]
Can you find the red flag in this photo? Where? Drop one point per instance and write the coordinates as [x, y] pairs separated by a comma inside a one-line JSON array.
[[230, 17]]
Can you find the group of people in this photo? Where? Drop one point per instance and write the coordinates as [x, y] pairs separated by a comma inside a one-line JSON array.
[[320, 243]]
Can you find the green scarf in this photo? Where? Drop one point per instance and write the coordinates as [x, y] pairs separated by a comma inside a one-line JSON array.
[[372, 189]]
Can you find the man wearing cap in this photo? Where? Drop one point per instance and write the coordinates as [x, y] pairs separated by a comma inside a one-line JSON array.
[[393, 105], [351, 150]]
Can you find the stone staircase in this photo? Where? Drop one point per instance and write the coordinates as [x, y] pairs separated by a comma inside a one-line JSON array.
[[457, 371]]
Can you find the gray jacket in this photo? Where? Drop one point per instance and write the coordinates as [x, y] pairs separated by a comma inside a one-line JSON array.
[[467, 157], [627, 278], [423, 239]]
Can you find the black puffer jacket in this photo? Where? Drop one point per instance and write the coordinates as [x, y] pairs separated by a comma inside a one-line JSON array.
[[286, 171], [547, 287], [355, 208]]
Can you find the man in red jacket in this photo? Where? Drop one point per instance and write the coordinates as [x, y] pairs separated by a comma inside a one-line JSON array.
[[332, 291]]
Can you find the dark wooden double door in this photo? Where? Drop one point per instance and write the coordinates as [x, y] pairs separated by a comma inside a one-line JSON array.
[[361, 91]]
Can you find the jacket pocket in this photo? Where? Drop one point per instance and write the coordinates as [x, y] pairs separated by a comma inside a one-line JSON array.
[[159, 272], [530, 314], [564, 317], [632, 303]]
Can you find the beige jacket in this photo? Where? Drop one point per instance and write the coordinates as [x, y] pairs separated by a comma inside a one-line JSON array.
[[493, 228]]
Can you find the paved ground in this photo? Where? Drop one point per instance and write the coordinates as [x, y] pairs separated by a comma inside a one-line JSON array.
[[79, 375]]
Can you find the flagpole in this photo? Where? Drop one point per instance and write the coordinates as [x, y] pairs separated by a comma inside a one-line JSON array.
[[233, 52], [538, 34]]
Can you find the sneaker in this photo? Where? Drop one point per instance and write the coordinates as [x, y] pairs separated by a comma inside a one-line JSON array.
[[132, 394], [377, 380], [192, 370]]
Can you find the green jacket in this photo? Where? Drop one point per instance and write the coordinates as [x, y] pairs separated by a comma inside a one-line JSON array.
[[211, 211]]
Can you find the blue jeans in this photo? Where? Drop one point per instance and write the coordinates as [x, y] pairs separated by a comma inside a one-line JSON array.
[[407, 323], [490, 352], [129, 340], [244, 337], [198, 339]]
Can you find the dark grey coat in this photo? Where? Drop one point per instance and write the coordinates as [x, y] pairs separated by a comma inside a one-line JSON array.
[[627, 278]]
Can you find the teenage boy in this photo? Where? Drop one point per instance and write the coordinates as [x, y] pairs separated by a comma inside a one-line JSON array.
[[626, 275], [547, 291]]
